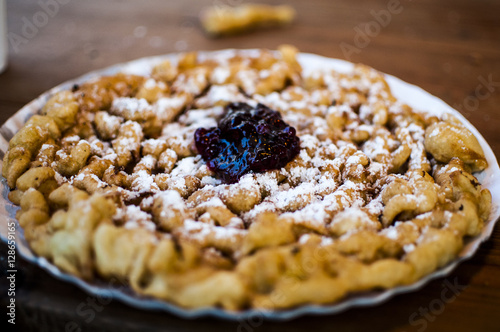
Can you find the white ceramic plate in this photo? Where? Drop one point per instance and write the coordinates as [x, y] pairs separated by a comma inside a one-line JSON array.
[[410, 94]]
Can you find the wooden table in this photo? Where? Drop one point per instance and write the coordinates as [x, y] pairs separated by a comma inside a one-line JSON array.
[[447, 47]]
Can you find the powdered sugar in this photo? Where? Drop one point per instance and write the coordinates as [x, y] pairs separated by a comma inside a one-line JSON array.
[[129, 107], [135, 218], [143, 182]]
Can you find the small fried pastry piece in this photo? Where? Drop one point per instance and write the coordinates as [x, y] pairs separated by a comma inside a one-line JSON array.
[[225, 20]]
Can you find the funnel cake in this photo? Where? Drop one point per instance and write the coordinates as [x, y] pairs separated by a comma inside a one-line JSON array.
[[110, 184]]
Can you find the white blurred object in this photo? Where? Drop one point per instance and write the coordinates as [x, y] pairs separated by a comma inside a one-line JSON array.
[[3, 36]]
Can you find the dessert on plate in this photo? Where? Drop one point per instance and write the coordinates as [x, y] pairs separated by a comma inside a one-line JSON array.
[[235, 179]]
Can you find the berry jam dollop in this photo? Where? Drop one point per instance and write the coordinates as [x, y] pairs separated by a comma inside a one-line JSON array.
[[247, 139]]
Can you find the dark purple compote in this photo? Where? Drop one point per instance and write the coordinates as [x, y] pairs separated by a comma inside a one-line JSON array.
[[247, 139]]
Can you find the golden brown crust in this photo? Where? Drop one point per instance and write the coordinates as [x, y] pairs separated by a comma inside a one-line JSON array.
[[226, 20]]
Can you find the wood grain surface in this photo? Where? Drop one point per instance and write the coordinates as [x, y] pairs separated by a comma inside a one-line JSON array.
[[451, 48]]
